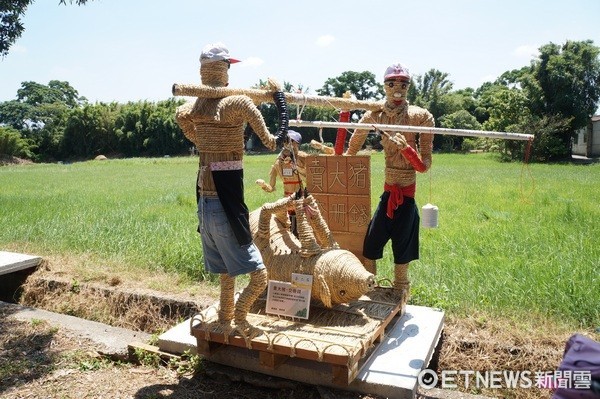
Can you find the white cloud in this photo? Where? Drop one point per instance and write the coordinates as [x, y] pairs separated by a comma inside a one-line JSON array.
[[526, 51], [325, 40], [252, 62]]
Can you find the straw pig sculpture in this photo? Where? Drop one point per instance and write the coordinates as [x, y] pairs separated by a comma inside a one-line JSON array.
[[338, 275]]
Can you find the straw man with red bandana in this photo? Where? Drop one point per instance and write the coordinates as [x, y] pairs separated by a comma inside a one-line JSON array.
[[396, 217]]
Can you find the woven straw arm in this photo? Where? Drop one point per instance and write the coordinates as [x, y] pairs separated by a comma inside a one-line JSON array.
[[242, 108], [421, 117], [273, 176], [184, 120], [360, 135], [301, 164]]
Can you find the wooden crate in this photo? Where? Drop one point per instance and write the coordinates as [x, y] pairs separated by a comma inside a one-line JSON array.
[[341, 186], [341, 337]]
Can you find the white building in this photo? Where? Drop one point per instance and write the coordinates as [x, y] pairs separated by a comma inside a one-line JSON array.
[[587, 139]]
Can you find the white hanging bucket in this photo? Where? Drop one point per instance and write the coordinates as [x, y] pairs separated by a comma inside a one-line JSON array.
[[429, 216]]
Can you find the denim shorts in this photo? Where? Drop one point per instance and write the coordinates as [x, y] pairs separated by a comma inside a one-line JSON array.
[[222, 253]]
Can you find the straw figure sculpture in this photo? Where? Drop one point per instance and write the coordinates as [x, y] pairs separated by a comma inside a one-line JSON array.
[[338, 275], [405, 154], [216, 126], [288, 168]]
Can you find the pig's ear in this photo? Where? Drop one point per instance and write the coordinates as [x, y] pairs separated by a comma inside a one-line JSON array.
[[325, 293]]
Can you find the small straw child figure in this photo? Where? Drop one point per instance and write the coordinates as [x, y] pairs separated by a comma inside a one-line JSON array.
[[290, 168]]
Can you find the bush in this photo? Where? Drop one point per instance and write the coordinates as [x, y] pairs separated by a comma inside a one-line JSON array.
[[12, 144]]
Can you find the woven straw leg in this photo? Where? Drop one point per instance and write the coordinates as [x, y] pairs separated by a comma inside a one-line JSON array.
[[401, 281], [370, 265], [305, 232], [258, 282], [227, 298], [319, 225]]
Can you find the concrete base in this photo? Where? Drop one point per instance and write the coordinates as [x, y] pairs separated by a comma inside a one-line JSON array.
[[11, 262], [390, 371], [14, 270], [178, 339]]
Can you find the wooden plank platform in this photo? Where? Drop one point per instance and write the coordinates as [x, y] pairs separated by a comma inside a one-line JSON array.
[[339, 337]]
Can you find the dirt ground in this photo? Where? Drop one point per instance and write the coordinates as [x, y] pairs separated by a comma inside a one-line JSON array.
[[38, 360]]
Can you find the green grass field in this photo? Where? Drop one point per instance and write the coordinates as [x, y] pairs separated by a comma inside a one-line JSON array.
[[512, 241]]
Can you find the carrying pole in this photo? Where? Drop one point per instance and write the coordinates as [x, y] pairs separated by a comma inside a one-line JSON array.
[[413, 129]]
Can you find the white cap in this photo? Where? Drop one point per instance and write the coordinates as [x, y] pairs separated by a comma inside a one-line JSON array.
[[216, 52]]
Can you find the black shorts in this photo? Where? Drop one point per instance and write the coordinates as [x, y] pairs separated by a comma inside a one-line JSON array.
[[403, 230]]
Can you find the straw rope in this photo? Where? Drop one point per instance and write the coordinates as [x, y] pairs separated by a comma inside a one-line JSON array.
[[338, 275], [308, 242], [215, 74], [401, 276], [423, 142], [216, 125], [226, 304], [258, 283], [319, 225], [263, 96]]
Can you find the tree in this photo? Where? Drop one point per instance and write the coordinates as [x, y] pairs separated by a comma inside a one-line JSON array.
[[461, 119], [432, 91], [89, 131], [564, 82], [12, 144], [362, 85], [35, 94], [11, 27], [39, 113]]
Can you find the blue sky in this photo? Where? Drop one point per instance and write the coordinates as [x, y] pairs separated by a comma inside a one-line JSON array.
[[130, 50]]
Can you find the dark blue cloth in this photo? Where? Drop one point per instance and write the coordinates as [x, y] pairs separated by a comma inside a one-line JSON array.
[[402, 229]]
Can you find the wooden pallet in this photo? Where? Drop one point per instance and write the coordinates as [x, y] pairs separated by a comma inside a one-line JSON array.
[[340, 337]]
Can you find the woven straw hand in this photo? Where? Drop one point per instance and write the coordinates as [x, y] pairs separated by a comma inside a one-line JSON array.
[[264, 185], [272, 85], [399, 140]]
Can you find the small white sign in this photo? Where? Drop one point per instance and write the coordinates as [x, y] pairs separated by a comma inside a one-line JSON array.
[[288, 299], [287, 172]]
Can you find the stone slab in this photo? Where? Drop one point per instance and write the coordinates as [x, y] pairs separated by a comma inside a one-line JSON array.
[[11, 262], [178, 340], [390, 371], [111, 341]]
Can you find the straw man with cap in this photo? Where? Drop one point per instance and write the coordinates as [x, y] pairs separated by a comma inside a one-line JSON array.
[[216, 126], [396, 217], [290, 168]]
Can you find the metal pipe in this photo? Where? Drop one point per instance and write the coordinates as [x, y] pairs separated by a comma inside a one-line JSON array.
[[413, 129]]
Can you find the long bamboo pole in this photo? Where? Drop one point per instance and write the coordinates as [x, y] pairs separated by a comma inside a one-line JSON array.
[[261, 96], [413, 129], [264, 96]]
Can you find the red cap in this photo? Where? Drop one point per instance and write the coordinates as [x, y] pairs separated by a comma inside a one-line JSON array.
[[396, 71]]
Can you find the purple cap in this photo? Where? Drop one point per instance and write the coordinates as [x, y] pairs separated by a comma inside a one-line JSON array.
[[294, 135]]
